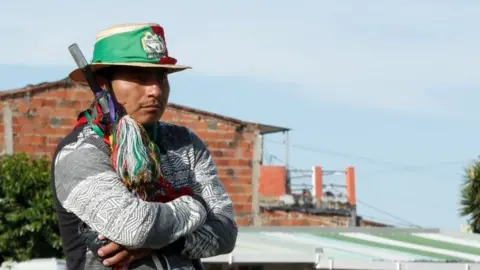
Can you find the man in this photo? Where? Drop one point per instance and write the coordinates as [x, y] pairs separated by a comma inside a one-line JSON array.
[[95, 168]]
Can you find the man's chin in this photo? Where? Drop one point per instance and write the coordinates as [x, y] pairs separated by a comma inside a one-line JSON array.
[[149, 119]]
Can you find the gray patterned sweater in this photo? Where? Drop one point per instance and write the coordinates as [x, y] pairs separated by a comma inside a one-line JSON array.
[[87, 189]]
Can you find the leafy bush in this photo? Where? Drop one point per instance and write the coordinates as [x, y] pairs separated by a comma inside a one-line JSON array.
[[28, 223], [470, 196]]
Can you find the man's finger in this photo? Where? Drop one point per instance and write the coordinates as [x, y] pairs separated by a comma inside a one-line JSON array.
[[120, 257], [135, 255], [127, 261], [109, 249]]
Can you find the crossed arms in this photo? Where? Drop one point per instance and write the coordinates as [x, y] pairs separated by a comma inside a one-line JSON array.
[[88, 187]]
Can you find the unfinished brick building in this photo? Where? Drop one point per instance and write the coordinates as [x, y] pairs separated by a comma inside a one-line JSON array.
[[36, 117]]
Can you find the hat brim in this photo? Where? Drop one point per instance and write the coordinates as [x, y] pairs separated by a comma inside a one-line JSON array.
[[77, 74]]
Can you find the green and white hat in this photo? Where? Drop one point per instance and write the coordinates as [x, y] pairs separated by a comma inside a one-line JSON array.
[[139, 45]]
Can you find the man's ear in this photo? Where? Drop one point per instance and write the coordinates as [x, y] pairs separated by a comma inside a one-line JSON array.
[[102, 82]]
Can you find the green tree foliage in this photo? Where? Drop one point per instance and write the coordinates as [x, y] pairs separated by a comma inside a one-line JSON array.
[[470, 196], [28, 224]]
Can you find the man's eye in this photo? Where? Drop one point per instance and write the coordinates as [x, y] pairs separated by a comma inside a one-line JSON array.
[[161, 76], [140, 77]]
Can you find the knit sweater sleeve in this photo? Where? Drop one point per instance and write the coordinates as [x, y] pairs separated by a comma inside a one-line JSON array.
[[87, 186], [219, 233]]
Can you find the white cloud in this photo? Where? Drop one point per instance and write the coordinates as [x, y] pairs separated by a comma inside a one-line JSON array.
[[383, 54]]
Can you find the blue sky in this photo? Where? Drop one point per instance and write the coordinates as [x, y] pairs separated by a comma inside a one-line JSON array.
[[389, 87]]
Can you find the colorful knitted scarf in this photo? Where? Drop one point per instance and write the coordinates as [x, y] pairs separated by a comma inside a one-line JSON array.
[[134, 153]]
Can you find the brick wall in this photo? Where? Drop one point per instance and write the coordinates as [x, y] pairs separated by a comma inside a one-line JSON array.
[[42, 118], [287, 219]]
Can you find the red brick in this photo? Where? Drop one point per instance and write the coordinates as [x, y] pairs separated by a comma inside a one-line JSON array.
[[236, 162], [23, 108], [201, 125], [241, 198], [247, 136], [53, 139], [247, 154], [25, 149], [221, 127], [83, 95], [242, 208], [21, 121], [235, 188], [188, 118], [64, 112], [63, 94], [223, 153], [243, 219], [221, 162], [279, 218], [50, 149], [237, 171], [218, 145], [243, 179], [68, 122], [52, 131], [37, 139]]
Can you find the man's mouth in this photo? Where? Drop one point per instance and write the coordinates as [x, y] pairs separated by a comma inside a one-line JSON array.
[[153, 106]]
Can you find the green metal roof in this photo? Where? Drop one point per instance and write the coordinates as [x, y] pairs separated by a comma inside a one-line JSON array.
[[359, 247]]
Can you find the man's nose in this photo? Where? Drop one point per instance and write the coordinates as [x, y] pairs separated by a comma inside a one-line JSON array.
[[154, 88]]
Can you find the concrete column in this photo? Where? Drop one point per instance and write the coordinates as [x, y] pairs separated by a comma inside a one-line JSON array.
[[257, 160], [8, 129], [350, 184], [317, 183], [351, 196]]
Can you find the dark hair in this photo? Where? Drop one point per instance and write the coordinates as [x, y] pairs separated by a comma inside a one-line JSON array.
[[106, 72]]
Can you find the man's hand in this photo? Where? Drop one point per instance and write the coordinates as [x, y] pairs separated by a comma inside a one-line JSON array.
[[116, 255]]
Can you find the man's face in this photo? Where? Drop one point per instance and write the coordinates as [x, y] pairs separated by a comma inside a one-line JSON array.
[[143, 92]]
